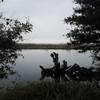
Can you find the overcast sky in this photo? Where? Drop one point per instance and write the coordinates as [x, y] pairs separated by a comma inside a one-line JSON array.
[[47, 17]]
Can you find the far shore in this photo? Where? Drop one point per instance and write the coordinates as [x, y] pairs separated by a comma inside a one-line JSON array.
[[47, 46]]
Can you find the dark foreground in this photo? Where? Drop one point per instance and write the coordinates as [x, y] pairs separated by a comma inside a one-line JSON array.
[[53, 91]]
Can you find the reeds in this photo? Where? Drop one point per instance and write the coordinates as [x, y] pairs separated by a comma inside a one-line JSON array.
[[53, 91]]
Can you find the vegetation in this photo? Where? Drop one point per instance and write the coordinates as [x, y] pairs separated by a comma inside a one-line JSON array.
[[86, 29], [85, 21], [10, 34], [85, 24], [47, 46], [52, 91], [11, 31]]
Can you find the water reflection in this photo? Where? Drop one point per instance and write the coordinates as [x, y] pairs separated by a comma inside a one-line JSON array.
[[7, 61], [28, 68], [67, 73]]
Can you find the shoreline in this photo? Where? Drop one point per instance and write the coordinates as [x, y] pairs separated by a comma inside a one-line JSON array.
[[52, 91], [47, 46]]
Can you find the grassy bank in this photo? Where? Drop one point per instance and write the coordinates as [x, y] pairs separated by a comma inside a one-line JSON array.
[[52, 91]]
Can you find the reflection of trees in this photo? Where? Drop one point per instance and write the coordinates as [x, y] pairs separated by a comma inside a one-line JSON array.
[[7, 60], [10, 34]]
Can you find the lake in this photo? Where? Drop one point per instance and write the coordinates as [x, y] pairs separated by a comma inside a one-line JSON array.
[[28, 67]]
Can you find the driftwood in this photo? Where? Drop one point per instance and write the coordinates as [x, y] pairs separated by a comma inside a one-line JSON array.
[[65, 72]]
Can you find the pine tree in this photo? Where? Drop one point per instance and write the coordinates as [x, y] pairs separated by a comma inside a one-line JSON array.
[[85, 21]]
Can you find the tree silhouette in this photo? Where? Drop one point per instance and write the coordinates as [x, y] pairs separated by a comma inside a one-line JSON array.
[[10, 34], [85, 21], [11, 31]]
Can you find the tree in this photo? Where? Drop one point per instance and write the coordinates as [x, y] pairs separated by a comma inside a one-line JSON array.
[[85, 21], [10, 34], [11, 31]]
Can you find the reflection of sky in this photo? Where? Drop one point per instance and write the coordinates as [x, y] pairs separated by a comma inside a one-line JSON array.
[[29, 66], [46, 16]]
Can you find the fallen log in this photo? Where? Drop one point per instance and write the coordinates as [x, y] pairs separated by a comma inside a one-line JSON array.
[[74, 72]]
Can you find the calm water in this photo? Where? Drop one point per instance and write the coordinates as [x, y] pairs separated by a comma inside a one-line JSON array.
[[28, 67]]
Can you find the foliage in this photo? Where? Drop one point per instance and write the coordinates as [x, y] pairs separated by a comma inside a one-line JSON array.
[[85, 21], [11, 31], [7, 61], [10, 34]]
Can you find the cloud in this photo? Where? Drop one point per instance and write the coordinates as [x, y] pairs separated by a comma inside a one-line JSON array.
[[46, 16]]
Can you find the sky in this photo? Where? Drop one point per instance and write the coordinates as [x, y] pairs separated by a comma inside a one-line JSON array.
[[47, 17]]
